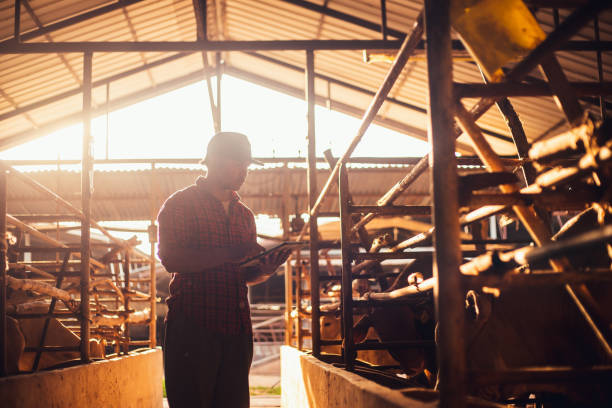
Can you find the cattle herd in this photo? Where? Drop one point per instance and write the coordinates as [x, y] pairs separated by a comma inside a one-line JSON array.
[[526, 306], [44, 307]]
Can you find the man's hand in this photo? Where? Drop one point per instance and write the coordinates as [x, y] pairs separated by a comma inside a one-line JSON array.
[[270, 263], [267, 266]]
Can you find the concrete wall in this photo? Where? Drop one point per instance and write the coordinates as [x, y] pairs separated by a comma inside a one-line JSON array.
[[307, 382], [133, 381]]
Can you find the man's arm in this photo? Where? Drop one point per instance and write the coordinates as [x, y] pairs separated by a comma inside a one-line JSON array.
[[254, 275], [189, 260]]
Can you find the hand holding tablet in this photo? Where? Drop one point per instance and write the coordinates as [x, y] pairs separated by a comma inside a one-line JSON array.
[[277, 250]]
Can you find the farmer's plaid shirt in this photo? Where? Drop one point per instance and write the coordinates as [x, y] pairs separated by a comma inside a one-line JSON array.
[[216, 297]]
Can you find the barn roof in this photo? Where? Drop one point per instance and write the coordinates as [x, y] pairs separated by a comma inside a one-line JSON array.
[[40, 93]]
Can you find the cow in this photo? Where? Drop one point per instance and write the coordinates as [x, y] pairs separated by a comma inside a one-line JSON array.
[[330, 330], [528, 327], [395, 323], [542, 325], [25, 333]]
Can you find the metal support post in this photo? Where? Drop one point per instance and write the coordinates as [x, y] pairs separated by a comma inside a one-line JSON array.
[[288, 268], [86, 189], [383, 18], [449, 299], [219, 75], [17, 31], [286, 204], [312, 195], [600, 75], [299, 332], [153, 279], [288, 301], [200, 10], [3, 277], [126, 303], [348, 347]]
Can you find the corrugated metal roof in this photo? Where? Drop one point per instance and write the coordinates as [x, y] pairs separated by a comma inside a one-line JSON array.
[[126, 195], [30, 79]]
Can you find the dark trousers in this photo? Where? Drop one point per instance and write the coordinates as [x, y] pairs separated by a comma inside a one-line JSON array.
[[205, 369]]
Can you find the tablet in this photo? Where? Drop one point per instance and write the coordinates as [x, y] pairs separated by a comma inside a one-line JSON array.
[[254, 260]]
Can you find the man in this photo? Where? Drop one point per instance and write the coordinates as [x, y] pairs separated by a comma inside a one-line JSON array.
[[204, 233]]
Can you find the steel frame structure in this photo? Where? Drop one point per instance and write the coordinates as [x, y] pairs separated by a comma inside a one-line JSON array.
[[447, 255], [63, 268], [442, 112]]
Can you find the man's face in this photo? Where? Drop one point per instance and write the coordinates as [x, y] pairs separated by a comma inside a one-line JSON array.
[[229, 173]]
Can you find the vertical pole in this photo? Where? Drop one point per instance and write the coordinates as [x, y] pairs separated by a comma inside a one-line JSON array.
[[347, 290], [153, 315], [107, 120], [17, 31], [602, 99], [126, 302], [288, 300], [383, 18], [299, 268], [288, 269], [286, 204], [153, 241], [3, 250], [447, 257], [219, 69], [312, 197], [200, 11], [86, 189], [204, 14]]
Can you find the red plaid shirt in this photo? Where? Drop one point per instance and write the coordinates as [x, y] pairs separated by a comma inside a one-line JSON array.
[[215, 297]]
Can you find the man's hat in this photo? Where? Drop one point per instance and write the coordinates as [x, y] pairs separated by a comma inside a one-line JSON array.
[[230, 145]]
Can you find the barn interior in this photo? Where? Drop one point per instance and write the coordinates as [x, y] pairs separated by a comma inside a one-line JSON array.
[[475, 275]]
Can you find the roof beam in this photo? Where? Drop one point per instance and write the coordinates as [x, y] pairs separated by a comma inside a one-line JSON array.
[[541, 83], [72, 20], [75, 197], [510, 161], [501, 89], [192, 46], [279, 45]]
